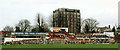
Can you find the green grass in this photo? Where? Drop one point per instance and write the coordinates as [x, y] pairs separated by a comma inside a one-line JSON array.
[[62, 46]]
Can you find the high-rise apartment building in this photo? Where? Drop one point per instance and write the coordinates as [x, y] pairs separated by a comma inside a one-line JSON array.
[[70, 18]]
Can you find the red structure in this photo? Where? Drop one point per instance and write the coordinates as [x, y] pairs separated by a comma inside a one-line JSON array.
[[61, 35], [1, 32]]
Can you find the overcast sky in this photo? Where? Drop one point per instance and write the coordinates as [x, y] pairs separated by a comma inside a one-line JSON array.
[[11, 11]]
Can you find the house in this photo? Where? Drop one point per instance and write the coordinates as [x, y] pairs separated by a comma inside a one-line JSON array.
[[103, 29]]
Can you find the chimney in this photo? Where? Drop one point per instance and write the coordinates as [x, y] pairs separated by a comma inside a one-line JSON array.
[[109, 26]]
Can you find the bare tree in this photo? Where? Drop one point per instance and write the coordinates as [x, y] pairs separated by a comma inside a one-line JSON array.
[[17, 29], [35, 28], [113, 29], [39, 23], [89, 25], [42, 24], [50, 20], [8, 29], [45, 26], [86, 28], [118, 27], [23, 25]]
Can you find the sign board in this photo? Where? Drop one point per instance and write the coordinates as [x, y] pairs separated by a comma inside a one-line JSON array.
[[58, 29], [16, 39], [29, 33], [109, 34], [98, 34]]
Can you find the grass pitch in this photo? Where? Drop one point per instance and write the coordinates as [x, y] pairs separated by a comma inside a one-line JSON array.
[[62, 46]]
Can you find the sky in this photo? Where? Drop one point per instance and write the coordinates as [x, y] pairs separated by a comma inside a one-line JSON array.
[[12, 11]]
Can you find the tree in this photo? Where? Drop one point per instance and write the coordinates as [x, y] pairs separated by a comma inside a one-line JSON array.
[[45, 24], [17, 29], [113, 29], [46, 28], [50, 20], [35, 29], [38, 22], [118, 27], [41, 25], [8, 29], [23, 25], [89, 25], [86, 29]]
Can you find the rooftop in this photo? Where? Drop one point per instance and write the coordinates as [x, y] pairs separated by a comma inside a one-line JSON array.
[[67, 10]]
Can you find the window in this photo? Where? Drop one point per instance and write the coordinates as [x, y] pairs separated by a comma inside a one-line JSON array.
[[71, 22], [67, 18], [63, 12], [61, 25], [71, 13], [78, 20], [54, 13], [64, 23], [74, 28], [64, 15], [78, 23], [57, 12], [71, 19], [61, 9], [78, 17], [74, 22], [68, 22], [67, 15], [64, 19], [78, 13], [78, 30], [74, 13], [71, 28], [71, 16], [67, 12], [74, 19], [60, 15]]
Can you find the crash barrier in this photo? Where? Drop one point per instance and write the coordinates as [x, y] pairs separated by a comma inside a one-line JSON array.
[[33, 41], [55, 41], [64, 41]]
